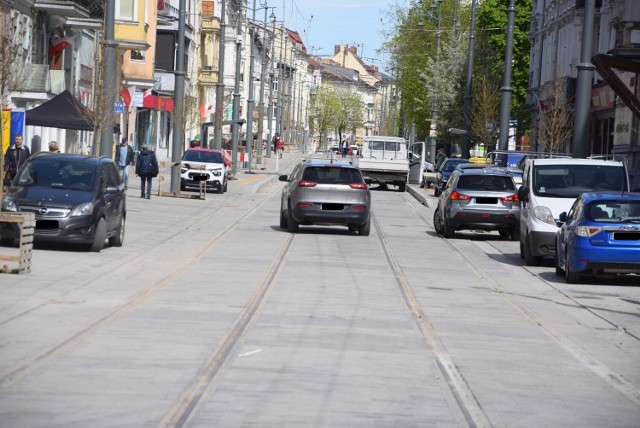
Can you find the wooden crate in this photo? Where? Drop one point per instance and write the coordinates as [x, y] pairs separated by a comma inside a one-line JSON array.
[[27, 224]]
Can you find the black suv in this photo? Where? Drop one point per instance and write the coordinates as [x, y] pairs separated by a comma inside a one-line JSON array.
[[76, 199]]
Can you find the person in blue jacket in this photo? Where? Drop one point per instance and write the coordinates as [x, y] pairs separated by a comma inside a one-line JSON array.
[[146, 169]]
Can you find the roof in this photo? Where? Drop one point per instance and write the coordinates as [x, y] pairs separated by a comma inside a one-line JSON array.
[[618, 196], [203, 149], [71, 157], [575, 161]]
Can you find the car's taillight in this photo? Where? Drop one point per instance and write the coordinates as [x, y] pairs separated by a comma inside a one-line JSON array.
[[360, 207], [304, 205], [587, 231], [358, 185], [455, 196], [306, 183], [510, 198]]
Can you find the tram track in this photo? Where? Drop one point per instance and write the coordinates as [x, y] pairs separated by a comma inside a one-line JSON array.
[[68, 342], [577, 352]]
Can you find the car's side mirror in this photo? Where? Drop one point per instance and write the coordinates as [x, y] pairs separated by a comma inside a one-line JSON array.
[[283, 178], [112, 189], [563, 217]]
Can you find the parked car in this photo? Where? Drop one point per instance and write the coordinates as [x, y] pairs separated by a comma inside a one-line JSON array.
[[478, 199], [208, 165], [325, 192], [443, 174], [549, 187], [600, 235], [75, 198]]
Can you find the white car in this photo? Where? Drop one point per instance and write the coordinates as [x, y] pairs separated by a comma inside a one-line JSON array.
[[206, 165]]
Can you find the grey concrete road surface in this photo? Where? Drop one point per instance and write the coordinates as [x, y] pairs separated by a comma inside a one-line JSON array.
[[210, 315]]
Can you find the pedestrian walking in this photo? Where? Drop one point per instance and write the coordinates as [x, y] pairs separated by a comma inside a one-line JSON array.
[[280, 147], [146, 169], [124, 158], [440, 158], [15, 157], [345, 147]]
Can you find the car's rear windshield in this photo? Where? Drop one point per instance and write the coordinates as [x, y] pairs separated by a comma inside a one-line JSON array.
[[47, 172], [450, 165], [332, 175], [202, 156], [486, 182], [570, 181], [614, 211]]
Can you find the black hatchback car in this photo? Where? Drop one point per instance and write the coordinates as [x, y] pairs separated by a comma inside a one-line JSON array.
[[76, 199]]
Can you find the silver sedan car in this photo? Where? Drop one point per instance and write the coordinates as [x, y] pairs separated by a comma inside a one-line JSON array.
[[325, 192]]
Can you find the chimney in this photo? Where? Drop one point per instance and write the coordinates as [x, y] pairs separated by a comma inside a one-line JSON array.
[[336, 49]]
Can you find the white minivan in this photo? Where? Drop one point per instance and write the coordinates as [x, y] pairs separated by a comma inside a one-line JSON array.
[[549, 187]]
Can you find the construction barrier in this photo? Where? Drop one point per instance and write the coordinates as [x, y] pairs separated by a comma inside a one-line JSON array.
[[27, 224], [161, 179]]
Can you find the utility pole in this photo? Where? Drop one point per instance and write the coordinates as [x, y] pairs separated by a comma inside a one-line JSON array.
[[280, 85], [217, 117], [250, 100], [108, 80], [261, 100], [272, 105], [505, 101], [178, 118], [583, 86], [467, 95], [434, 111], [236, 96]]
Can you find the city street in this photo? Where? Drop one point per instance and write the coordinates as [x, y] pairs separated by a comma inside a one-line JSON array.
[[210, 315]]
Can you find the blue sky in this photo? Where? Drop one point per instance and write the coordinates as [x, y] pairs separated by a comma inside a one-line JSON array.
[[325, 23]]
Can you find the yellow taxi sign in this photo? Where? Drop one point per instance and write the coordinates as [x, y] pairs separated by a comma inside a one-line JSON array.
[[479, 160]]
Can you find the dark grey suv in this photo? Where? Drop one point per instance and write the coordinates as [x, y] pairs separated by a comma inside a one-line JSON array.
[[76, 199], [325, 192], [479, 199]]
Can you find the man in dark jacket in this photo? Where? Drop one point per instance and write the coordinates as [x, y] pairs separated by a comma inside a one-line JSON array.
[[146, 169], [14, 158], [124, 158]]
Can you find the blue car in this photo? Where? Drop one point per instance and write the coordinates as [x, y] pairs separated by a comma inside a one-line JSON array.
[[600, 236]]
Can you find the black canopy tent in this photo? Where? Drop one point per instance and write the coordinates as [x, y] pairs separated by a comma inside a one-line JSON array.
[[62, 111]]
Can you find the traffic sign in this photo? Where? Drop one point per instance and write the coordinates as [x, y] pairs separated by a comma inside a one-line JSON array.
[[118, 107]]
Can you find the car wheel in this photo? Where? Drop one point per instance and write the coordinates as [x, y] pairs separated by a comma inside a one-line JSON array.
[[422, 185], [226, 182], [521, 249], [437, 221], [559, 270], [100, 236], [364, 229], [529, 258], [292, 225], [182, 186], [220, 188], [436, 190], [572, 276], [283, 220], [402, 187], [353, 228], [448, 231], [504, 234], [118, 238]]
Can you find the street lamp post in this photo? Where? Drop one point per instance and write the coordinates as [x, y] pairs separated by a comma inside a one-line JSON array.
[[217, 128], [434, 111], [250, 100], [271, 76], [467, 95], [507, 90], [262, 77], [236, 97]]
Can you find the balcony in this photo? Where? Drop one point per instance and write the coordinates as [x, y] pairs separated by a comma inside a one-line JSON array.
[[208, 76], [210, 24]]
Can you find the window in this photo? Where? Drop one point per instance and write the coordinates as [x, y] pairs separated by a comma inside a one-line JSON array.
[[137, 55], [126, 10]]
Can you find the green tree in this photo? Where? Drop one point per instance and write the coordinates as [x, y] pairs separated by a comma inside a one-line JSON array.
[[350, 114], [326, 105], [485, 111], [491, 44]]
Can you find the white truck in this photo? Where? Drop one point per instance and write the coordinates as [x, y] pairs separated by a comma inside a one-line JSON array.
[[384, 160]]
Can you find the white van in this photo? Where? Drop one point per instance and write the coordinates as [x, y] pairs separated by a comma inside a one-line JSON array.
[[549, 187]]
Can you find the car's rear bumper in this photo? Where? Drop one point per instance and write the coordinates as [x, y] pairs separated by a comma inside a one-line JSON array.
[[586, 257], [484, 220], [316, 215]]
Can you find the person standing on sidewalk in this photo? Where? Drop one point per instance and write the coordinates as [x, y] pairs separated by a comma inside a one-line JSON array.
[[124, 158], [15, 157], [146, 169]]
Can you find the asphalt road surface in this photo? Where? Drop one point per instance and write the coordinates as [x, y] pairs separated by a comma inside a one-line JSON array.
[[210, 315]]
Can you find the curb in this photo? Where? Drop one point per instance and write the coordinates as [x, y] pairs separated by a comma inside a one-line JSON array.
[[416, 193]]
